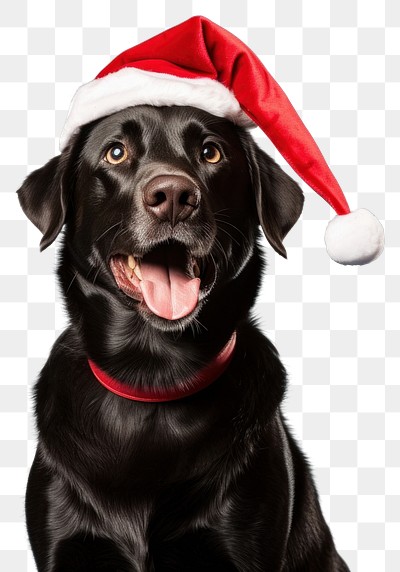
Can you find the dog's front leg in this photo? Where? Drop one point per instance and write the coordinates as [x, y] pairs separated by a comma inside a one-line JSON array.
[[57, 550]]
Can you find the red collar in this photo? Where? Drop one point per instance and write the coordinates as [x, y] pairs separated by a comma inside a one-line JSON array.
[[203, 379]]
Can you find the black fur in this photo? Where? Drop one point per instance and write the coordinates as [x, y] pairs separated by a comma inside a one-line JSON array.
[[210, 482]]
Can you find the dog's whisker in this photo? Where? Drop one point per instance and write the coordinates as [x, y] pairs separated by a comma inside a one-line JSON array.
[[108, 230], [93, 266], [210, 236], [221, 211], [70, 284], [213, 261], [96, 275], [99, 266], [235, 227], [209, 233], [196, 324], [229, 234], [222, 251], [118, 234]]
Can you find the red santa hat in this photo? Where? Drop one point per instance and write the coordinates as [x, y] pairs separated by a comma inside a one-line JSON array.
[[200, 64]]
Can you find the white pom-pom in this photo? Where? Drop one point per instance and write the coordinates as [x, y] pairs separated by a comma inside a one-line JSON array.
[[354, 238]]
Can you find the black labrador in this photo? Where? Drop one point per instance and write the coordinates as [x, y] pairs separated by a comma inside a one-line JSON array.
[[160, 266]]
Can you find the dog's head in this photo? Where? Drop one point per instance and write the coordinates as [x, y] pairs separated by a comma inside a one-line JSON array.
[[162, 208]]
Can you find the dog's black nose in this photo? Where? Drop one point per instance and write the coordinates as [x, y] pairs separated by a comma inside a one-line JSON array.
[[171, 198]]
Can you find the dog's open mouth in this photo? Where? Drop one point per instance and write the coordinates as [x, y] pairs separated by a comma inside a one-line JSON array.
[[167, 279]]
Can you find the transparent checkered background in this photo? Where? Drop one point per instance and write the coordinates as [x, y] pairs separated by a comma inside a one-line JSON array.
[[337, 328]]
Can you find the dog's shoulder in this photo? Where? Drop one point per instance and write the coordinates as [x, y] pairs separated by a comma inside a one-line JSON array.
[[64, 368], [259, 370], [258, 351]]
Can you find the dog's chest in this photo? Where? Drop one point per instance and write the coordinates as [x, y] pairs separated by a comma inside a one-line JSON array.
[[136, 449], [145, 485]]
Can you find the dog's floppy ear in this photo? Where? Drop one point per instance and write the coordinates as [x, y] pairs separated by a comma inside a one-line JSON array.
[[279, 198], [43, 198]]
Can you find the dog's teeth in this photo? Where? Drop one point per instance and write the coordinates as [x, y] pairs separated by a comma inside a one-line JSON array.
[[131, 262], [196, 270], [138, 272]]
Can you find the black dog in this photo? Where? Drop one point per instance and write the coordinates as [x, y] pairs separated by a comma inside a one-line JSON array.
[[160, 265]]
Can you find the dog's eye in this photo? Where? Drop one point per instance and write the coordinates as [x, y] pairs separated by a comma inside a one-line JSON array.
[[210, 153], [116, 154]]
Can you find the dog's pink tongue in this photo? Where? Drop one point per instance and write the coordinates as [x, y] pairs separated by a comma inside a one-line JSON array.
[[166, 289]]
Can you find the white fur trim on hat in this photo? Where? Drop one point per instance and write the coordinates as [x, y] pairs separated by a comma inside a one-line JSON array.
[[354, 238], [132, 86]]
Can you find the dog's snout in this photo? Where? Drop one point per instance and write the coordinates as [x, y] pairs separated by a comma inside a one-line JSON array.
[[171, 198]]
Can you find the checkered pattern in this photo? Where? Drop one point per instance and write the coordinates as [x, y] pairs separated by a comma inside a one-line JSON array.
[[337, 328]]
